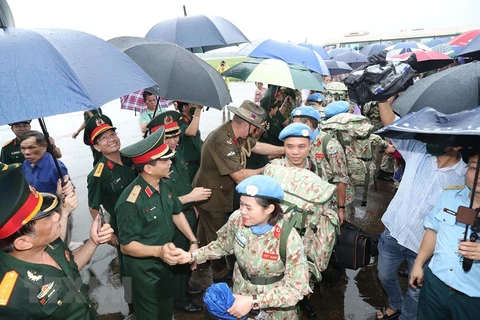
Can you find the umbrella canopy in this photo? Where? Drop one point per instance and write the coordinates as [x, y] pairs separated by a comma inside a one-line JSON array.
[[276, 72], [134, 101], [198, 33], [6, 17], [472, 49], [44, 72], [218, 299], [373, 48], [335, 52], [399, 51], [352, 58], [180, 74], [317, 48], [449, 91], [430, 125], [286, 51], [407, 45], [426, 60], [448, 49], [464, 38], [338, 67], [436, 42]]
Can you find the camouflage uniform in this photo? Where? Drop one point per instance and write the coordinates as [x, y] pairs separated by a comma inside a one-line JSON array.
[[334, 169], [259, 256]]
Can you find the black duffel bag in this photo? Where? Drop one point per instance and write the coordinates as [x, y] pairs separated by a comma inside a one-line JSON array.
[[354, 247]]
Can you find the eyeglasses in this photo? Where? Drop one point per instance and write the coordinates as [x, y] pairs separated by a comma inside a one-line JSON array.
[[107, 137]]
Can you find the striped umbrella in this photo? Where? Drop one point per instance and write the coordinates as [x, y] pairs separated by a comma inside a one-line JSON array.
[[276, 72], [134, 102], [447, 49]]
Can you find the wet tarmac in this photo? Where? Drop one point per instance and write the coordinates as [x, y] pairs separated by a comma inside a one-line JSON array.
[[354, 297]]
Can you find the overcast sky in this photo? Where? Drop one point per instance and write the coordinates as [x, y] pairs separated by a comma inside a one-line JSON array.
[[314, 20]]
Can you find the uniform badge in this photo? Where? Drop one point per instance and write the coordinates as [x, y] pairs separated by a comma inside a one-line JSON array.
[[231, 153], [230, 141], [110, 165], [331, 148], [251, 190], [168, 119], [319, 156], [132, 197], [45, 289], [270, 256], [240, 239], [148, 191], [33, 276], [277, 232], [99, 122]]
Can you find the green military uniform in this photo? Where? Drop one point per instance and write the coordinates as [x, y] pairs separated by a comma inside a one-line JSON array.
[[191, 147], [40, 291], [11, 152], [145, 215]]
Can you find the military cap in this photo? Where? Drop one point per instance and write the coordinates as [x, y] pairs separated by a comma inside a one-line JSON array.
[[152, 147], [306, 111], [260, 186], [250, 112], [95, 126], [336, 107], [299, 130], [6, 168], [316, 97], [22, 203], [24, 121], [169, 120]]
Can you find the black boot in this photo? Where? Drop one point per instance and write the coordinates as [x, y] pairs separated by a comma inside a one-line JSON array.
[[308, 310]]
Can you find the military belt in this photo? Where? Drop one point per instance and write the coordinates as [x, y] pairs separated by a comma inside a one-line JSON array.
[[262, 281]]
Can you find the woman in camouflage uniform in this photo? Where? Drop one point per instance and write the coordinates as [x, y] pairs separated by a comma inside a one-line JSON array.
[[261, 280]]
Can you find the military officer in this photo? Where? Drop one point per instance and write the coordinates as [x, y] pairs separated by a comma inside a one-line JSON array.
[[332, 168], [146, 214], [190, 139], [39, 275], [180, 182], [261, 279], [11, 152], [222, 166]]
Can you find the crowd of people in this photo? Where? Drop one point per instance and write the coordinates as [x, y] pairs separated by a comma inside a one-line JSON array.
[[176, 201]]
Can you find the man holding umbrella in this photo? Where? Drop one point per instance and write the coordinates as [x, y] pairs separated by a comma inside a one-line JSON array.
[[429, 169]]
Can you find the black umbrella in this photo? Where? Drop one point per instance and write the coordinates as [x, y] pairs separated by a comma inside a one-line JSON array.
[[352, 58], [6, 17], [337, 67], [373, 48], [453, 90], [180, 74], [198, 33], [472, 49]]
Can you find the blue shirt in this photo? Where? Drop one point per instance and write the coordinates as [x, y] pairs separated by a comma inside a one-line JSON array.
[[44, 175], [421, 186], [446, 264]]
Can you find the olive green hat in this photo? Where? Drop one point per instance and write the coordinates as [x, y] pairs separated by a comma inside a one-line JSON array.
[[152, 147], [95, 126], [250, 112], [169, 120]]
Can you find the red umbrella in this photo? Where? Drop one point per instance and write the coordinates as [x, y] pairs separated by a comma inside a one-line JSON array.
[[427, 60], [464, 38]]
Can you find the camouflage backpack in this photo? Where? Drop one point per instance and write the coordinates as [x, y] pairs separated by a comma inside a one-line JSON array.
[[353, 132], [307, 209]]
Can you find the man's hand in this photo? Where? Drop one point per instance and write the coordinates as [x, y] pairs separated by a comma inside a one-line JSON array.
[[66, 189], [390, 149], [170, 254], [69, 205], [470, 250], [200, 194], [416, 276], [241, 307], [341, 215], [75, 135], [102, 236], [114, 242]]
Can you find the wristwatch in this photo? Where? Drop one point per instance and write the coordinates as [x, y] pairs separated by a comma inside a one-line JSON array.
[[341, 207], [255, 303], [195, 242]]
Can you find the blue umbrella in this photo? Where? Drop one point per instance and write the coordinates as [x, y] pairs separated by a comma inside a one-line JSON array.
[[6, 17], [44, 72], [352, 58], [317, 48], [198, 33], [436, 42], [373, 48], [335, 52], [285, 51], [218, 299], [472, 49]]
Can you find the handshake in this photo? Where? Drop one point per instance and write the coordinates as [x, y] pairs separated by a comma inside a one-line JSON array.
[[172, 255]]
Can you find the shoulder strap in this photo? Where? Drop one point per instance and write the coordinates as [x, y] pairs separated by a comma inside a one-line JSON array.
[[325, 142], [286, 229]]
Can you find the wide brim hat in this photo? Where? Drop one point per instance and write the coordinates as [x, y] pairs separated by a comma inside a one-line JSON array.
[[169, 120], [151, 148], [95, 126], [250, 112]]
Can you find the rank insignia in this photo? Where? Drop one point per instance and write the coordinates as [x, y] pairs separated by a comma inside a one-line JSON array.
[[230, 141], [6, 287], [231, 153], [148, 191], [240, 239], [33, 276], [67, 255], [168, 119]]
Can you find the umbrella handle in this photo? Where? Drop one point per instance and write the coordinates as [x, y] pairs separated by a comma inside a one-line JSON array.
[[472, 197]]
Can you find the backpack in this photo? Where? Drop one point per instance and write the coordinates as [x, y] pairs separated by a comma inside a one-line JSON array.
[[353, 133], [306, 207]]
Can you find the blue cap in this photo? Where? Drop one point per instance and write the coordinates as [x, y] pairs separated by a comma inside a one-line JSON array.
[[336, 107], [306, 111], [260, 186], [316, 97], [295, 130]]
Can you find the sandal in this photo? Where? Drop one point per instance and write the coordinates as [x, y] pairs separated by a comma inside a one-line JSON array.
[[385, 316]]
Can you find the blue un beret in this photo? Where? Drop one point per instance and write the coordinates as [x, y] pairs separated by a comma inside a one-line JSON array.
[[316, 97], [260, 186], [336, 107], [295, 130], [306, 111]]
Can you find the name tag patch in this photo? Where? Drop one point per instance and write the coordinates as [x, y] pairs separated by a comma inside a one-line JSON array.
[[240, 239], [270, 256]]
